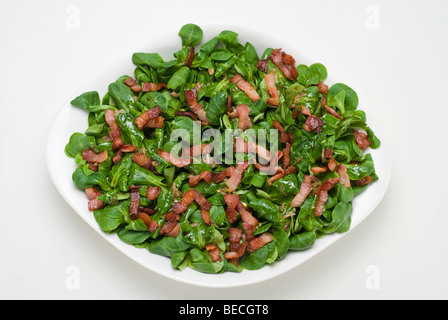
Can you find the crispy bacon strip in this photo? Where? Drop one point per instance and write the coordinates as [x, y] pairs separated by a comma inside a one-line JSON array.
[[284, 136], [317, 170], [170, 228], [305, 189], [361, 139], [270, 83], [322, 87], [231, 201], [187, 114], [200, 149], [135, 200], [285, 63], [171, 158], [153, 192], [93, 194], [249, 221], [262, 65], [320, 204], [245, 86], [332, 164], [259, 242], [364, 181], [187, 199], [142, 160], [204, 175], [192, 99], [342, 172], [150, 223], [190, 57], [213, 251], [287, 156], [156, 123], [143, 119], [150, 86], [236, 176], [243, 112], [333, 112], [123, 149], [114, 133], [313, 123], [205, 206], [90, 156], [221, 176]]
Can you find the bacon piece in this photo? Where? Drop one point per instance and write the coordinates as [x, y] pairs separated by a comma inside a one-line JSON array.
[[322, 87], [285, 63], [245, 86], [287, 156], [114, 133], [328, 153], [142, 160], [213, 251], [190, 57], [313, 123], [136, 88], [123, 149], [200, 149], [361, 139], [270, 83], [187, 198], [171, 158], [135, 200], [305, 189], [262, 65], [249, 221], [320, 204], [235, 178], [332, 164], [153, 192], [150, 86], [187, 114], [243, 112], [150, 223], [317, 170], [305, 110], [90, 156], [93, 194], [364, 181], [204, 175], [342, 172], [205, 206], [333, 112], [284, 136], [192, 99], [143, 119], [156, 123], [220, 176], [231, 201], [259, 242], [148, 211], [130, 81], [251, 147], [327, 185], [93, 166], [170, 228]]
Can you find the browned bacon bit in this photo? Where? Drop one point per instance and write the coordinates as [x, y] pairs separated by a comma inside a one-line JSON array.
[[317, 170], [204, 175], [285, 63], [143, 119], [187, 199], [313, 123], [148, 211], [305, 189], [232, 201], [150, 86], [170, 228], [332, 164], [327, 185], [90, 156], [93, 194], [361, 139], [229, 103], [123, 149], [234, 238], [284, 136], [142, 160], [295, 114], [322, 87], [305, 110], [153, 192], [192, 99], [262, 65], [328, 153], [136, 88], [156, 123], [93, 166], [213, 251], [287, 156], [243, 116], [205, 206], [342, 172], [187, 114], [276, 177], [249, 221], [233, 256], [190, 57], [151, 224], [235, 178], [245, 86], [171, 158], [220, 176], [114, 133], [200, 149], [333, 112], [135, 200], [259, 242], [364, 181], [272, 88], [320, 204], [130, 82]]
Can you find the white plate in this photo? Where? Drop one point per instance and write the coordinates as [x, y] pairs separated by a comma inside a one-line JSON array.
[[71, 119]]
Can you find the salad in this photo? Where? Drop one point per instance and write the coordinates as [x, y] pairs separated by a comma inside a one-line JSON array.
[[222, 159]]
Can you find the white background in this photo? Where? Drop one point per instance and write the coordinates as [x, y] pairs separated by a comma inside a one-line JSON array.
[[391, 52]]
